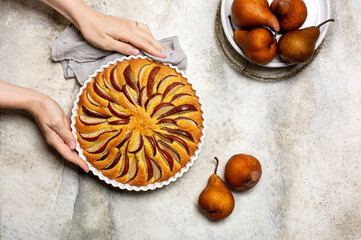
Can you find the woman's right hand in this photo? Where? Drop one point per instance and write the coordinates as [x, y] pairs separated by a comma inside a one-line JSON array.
[[108, 32], [119, 34]]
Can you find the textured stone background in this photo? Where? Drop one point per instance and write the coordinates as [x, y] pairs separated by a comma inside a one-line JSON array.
[[305, 131]]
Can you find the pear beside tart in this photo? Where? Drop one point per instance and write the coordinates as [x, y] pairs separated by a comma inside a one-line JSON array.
[[138, 122]]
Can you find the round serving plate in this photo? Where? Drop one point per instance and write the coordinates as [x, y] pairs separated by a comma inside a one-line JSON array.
[[317, 12], [112, 181], [252, 70]]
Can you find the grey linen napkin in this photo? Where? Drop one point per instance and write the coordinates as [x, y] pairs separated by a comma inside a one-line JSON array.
[[80, 59]]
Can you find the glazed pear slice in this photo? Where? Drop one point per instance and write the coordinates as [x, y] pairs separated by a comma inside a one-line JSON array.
[[125, 139], [128, 95], [142, 96], [171, 151], [179, 109], [134, 168], [151, 80], [125, 167], [138, 145], [113, 79], [187, 119], [116, 112], [173, 87], [152, 142], [100, 146], [113, 163], [102, 93], [165, 137], [93, 113], [157, 170], [181, 142], [93, 136], [128, 77], [166, 156], [179, 132], [140, 75], [167, 121], [149, 167], [179, 96], [164, 80], [91, 121], [161, 109], [92, 101], [102, 158], [107, 84], [155, 98], [119, 122]]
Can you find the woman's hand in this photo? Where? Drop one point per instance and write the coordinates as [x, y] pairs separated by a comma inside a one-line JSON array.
[[108, 32], [55, 126], [50, 117], [119, 34]]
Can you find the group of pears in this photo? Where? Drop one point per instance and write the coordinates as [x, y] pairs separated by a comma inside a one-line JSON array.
[[242, 172], [259, 44]]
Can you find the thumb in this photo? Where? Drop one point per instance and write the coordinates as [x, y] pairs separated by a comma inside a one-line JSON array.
[[122, 47]]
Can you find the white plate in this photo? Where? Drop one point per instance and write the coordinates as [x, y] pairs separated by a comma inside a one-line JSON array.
[[317, 12], [112, 181]]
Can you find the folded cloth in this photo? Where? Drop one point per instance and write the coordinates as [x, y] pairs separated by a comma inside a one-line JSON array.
[[80, 59]]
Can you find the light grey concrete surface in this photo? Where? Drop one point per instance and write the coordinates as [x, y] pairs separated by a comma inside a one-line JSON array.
[[306, 132]]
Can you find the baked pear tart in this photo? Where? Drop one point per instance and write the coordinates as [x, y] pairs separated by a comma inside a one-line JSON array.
[[138, 121]]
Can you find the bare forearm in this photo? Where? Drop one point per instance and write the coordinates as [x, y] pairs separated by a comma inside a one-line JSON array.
[[73, 10], [16, 97]]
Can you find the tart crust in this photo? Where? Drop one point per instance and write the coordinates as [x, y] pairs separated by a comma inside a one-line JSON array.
[[139, 122]]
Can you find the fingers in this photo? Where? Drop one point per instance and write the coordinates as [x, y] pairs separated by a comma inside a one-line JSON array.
[[71, 143], [148, 35], [142, 42], [122, 47], [63, 130], [56, 142]]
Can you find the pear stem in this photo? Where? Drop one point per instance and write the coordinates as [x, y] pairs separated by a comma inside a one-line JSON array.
[[230, 21], [329, 20], [215, 171]]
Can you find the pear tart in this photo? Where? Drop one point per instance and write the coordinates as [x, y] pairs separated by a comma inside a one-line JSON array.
[[138, 122]]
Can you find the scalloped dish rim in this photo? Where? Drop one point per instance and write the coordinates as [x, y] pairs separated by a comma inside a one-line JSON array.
[[113, 182]]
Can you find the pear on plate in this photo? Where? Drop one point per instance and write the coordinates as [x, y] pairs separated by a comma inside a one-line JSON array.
[[254, 13], [298, 46], [291, 14], [259, 44]]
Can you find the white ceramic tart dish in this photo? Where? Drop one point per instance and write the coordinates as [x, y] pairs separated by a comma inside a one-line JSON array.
[[318, 11], [138, 123]]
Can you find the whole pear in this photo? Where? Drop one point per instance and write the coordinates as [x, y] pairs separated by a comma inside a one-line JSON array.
[[291, 14], [242, 172], [259, 45], [298, 46], [216, 200], [254, 13]]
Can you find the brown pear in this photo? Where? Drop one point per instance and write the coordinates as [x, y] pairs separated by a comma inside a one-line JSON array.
[[259, 45], [298, 46], [242, 172], [216, 200], [254, 13], [291, 14]]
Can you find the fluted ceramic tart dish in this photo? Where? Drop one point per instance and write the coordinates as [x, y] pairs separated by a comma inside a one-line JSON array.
[[138, 123]]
